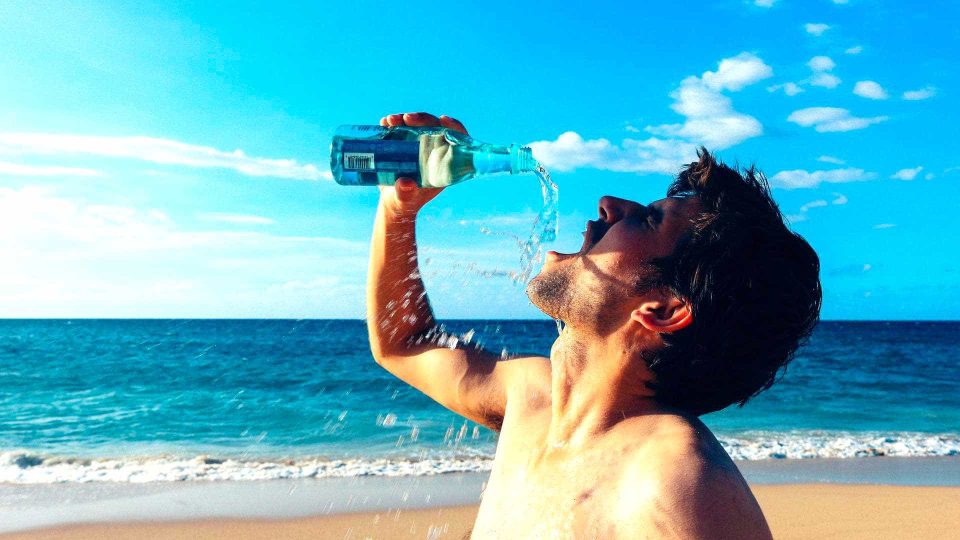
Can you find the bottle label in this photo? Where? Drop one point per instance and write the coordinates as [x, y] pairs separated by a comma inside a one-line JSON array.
[[359, 161], [381, 156]]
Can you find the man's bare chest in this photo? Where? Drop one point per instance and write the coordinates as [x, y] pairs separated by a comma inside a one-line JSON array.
[[532, 496]]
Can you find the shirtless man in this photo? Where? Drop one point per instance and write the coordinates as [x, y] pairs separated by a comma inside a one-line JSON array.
[[672, 310]]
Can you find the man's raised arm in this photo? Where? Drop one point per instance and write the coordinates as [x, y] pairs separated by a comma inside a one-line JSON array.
[[403, 332]]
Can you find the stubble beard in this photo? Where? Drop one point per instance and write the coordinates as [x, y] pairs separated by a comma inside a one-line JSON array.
[[551, 291], [592, 305]]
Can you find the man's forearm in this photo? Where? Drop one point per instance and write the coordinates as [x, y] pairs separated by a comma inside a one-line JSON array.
[[397, 305]]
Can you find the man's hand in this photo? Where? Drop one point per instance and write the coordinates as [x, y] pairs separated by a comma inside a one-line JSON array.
[[405, 199]]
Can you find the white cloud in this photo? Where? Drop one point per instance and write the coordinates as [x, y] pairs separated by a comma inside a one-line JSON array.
[[870, 90], [821, 63], [737, 72], [796, 218], [17, 169], [764, 3], [854, 50], [923, 93], [814, 204], [829, 119], [235, 219], [819, 203], [929, 176], [800, 178], [570, 151], [884, 225], [831, 159], [790, 88], [710, 120], [907, 174], [68, 258], [821, 66], [154, 150], [825, 80], [816, 29]]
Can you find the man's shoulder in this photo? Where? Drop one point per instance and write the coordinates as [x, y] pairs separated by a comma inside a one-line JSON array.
[[527, 380], [684, 478], [669, 438], [673, 453]]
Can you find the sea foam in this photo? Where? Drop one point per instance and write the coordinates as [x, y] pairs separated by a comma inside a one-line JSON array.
[[29, 468], [25, 467], [825, 444]]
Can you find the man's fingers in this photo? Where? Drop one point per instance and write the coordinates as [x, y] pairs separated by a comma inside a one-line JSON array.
[[421, 119], [452, 123], [405, 184]]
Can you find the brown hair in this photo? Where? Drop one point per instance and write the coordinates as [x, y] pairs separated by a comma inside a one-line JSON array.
[[752, 284]]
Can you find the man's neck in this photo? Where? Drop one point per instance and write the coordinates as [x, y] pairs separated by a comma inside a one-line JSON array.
[[596, 385]]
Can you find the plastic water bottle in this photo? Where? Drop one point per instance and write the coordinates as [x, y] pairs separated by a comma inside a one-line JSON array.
[[433, 156]]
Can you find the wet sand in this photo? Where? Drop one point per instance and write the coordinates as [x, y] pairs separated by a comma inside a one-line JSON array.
[[794, 511]]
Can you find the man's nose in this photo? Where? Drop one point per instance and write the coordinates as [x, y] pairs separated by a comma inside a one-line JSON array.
[[613, 209]]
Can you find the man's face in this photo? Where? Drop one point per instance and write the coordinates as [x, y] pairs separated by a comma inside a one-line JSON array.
[[597, 285]]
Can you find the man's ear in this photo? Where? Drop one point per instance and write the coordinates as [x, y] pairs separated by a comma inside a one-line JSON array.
[[663, 313]]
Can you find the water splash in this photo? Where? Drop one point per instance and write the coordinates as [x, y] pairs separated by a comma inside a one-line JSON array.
[[545, 228]]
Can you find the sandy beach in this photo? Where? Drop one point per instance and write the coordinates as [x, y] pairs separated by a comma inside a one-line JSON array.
[[794, 511]]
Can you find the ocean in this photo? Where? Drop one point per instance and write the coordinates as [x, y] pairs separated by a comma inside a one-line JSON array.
[[177, 400]]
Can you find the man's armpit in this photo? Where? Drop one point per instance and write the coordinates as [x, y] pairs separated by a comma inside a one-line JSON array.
[[517, 383]]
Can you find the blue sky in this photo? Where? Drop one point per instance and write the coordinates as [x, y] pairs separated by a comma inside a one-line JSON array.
[[169, 159]]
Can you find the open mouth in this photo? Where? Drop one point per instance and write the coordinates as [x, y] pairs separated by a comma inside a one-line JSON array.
[[593, 234]]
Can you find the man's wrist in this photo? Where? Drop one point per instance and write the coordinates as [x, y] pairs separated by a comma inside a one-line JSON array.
[[394, 215]]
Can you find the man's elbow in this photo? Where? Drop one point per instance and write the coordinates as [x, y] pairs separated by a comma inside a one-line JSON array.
[[382, 350], [387, 345], [378, 341], [377, 350]]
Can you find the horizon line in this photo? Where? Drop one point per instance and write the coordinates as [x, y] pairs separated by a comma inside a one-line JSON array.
[[295, 319]]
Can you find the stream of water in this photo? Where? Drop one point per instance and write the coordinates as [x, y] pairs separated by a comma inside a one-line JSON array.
[[545, 228]]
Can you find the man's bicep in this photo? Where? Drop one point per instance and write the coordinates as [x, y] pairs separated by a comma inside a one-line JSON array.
[[469, 381]]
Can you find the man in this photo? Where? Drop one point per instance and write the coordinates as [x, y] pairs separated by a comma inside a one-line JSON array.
[[672, 310]]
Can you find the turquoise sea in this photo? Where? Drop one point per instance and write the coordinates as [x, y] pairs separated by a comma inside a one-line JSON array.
[[155, 400]]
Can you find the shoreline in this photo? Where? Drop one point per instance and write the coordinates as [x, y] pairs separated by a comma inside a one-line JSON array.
[[793, 511], [31, 509]]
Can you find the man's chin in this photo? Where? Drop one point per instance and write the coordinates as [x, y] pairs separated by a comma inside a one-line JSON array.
[[549, 288]]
